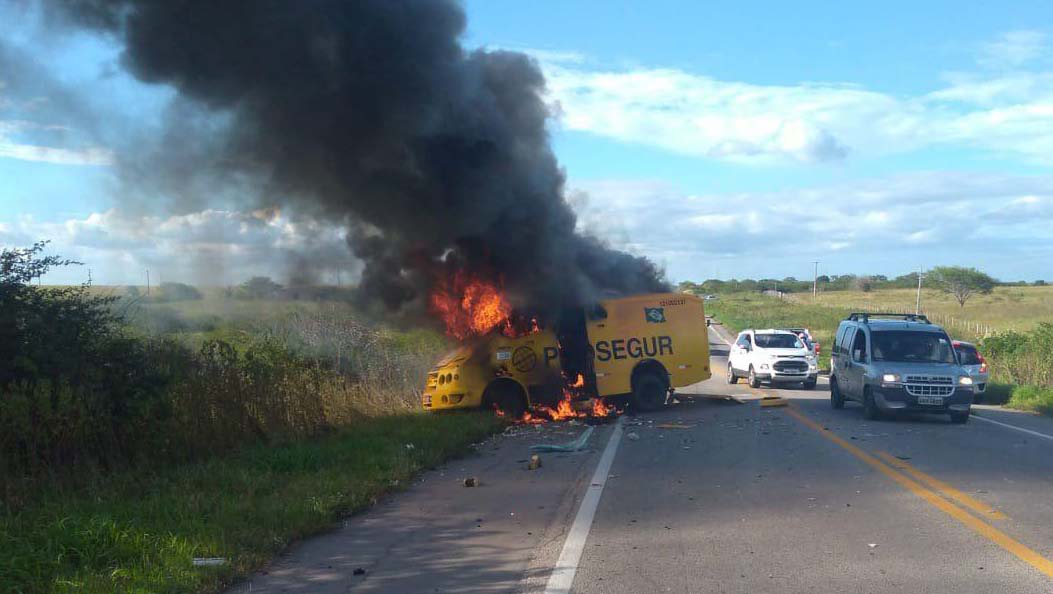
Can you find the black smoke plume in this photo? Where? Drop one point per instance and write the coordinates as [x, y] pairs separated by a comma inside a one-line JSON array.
[[370, 112]]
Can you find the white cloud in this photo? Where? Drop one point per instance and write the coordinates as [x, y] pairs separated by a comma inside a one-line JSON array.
[[94, 156], [696, 115], [886, 225], [210, 247], [12, 147], [1014, 48]]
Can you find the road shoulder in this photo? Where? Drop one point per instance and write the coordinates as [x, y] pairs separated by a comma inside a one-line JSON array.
[[440, 535]]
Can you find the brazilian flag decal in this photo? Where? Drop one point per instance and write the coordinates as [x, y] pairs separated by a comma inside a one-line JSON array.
[[655, 315]]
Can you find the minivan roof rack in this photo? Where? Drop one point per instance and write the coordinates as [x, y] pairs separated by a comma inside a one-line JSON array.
[[907, 317]]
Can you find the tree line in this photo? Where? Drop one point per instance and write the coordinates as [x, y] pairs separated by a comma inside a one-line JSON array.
[[960, 282]]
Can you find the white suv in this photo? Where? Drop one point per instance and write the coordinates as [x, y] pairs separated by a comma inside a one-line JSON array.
[[773, 356]]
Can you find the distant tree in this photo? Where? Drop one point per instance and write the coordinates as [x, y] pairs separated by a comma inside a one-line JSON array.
[[822, 278], [749, 285], [687, 287], [906, 281], [177, 292], [258, 287], [713, 286], [1040, 283], [864, 283], [962, 283], [842, 282]]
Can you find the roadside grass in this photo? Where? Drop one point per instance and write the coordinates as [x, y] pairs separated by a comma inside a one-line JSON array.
[[1033, 398], [1005, 308], [138, 531]]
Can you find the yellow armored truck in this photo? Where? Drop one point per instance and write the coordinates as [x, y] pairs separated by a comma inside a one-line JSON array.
[[633, 349]]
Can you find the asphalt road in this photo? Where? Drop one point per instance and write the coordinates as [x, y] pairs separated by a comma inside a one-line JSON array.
[[805, 498], [715, 494]]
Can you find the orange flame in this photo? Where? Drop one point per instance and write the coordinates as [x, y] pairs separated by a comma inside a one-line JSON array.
[[470, 306], [599, 409]]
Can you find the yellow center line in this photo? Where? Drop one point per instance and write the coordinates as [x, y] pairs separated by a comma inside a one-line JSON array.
[[947, 490], [989, 532]]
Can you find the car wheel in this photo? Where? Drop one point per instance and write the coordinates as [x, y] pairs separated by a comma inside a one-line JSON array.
[[754, 382], [649, 393], [959, 418], [732, 378], [837, 399], [809, 384], [870, 409], [507, 399]]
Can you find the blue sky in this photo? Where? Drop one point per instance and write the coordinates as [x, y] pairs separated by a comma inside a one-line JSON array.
[[744, 142]]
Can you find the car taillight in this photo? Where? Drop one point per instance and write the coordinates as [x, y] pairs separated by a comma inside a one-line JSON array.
[[983, 364], [817, 348]]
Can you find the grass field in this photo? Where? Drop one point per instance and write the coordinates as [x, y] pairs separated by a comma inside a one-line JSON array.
[[139, 531], [1005, 308], [246, 424]]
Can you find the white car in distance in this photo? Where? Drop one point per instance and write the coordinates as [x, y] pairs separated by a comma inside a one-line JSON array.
[[773, 356]]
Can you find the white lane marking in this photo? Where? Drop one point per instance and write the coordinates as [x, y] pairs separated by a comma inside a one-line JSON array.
[[562, 577], [1014, 427]]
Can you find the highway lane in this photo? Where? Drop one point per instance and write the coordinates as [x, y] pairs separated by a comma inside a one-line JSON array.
[[810, 499], [714, 495]]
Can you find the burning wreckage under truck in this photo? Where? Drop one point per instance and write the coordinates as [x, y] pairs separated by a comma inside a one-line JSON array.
[[621, 351]]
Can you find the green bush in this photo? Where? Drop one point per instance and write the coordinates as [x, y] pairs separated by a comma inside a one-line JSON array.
[[1033, 398], [78, 392], [1021, 358]]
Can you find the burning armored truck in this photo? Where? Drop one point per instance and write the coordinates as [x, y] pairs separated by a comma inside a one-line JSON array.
[[632, 350]]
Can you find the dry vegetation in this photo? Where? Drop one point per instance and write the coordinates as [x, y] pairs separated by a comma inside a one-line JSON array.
[[1005, 308], [139, 432]]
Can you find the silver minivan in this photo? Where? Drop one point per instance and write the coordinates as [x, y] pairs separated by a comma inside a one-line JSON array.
[[898, 362]]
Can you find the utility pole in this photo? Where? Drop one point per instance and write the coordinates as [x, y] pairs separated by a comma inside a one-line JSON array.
[[147, 282], [815, 280], [917, 307]]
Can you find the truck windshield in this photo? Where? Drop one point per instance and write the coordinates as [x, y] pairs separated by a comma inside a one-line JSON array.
[[778, 341], [911, 347]]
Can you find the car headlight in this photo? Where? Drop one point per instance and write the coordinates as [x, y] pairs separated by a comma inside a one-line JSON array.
[[965, 380], [890, 378]]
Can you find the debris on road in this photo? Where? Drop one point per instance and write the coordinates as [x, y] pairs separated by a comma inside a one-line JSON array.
[[674, 426], [773, 401], [471, 482], [572, 446], [358, 571], [209, 561], [632, 436], [535, 462]]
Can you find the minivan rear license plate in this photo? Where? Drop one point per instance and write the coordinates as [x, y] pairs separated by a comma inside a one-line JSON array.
[[932, 400]]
